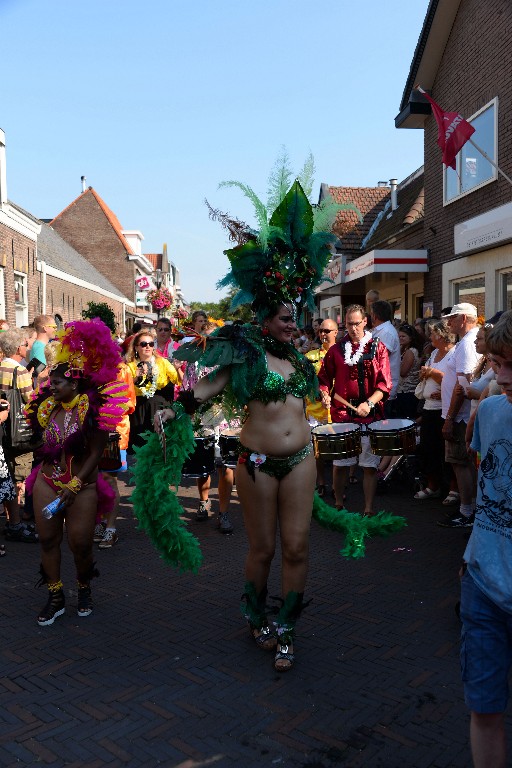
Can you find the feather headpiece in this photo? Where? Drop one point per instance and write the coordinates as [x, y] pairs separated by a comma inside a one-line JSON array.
[[284, 262]]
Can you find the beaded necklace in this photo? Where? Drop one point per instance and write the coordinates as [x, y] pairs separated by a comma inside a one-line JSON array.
[[354, 358]]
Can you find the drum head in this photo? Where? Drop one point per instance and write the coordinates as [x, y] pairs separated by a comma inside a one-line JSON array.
[[389, 425], [230, 432], [335, 429]]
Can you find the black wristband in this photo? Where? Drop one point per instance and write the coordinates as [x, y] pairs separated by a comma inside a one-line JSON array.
[[189, 402]]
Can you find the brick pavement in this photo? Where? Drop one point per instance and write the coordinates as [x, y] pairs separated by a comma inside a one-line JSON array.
[[164, 672]]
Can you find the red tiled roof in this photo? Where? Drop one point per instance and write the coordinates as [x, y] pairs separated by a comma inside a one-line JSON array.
[[111, 217], [155, 259], [369, 200]]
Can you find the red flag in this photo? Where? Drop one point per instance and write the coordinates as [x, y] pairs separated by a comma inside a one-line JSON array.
[[453, 131]]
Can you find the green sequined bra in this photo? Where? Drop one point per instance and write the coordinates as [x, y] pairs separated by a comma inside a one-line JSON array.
[[273, 387]]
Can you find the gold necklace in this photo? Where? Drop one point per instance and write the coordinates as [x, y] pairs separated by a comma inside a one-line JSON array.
[[69, 406]]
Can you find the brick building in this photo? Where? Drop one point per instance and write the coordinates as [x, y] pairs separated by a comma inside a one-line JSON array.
[[464, 59], [42, 274], [93, 230], [385, 251], [67, 282]]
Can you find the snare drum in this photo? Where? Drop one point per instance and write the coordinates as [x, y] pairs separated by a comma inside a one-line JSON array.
[[391, 437], [228, 443], [202, 462], [336, 441]]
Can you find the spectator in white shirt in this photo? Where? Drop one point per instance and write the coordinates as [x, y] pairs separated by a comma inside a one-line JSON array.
[[455, 411], [381, 314]]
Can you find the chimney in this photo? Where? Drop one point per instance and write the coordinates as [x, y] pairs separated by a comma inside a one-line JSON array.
[[83, 180], [382, 183], [394, 199], [3, 170]]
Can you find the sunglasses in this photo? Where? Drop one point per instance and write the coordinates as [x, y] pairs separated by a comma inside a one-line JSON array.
[[326, 330], [145, 344]]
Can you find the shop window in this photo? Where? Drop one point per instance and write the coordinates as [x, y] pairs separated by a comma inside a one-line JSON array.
[[473, 169], [471, 290]]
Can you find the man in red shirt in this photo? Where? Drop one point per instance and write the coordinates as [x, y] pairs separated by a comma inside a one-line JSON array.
[[356, 369]]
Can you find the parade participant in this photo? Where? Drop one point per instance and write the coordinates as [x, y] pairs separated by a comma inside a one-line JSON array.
[[261, 372], [154, 378], [486, 586], [357, 371], [75, 412], [315, 410]]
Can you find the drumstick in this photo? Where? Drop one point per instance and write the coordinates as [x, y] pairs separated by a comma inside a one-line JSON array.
[[345, 402]]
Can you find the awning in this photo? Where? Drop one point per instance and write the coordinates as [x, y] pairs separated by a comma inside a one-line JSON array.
[[386, 261]]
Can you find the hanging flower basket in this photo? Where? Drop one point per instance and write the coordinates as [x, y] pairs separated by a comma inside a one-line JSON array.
[[160, 298]]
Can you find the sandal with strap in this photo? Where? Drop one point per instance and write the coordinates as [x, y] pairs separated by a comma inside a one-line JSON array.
[[84, 606], [263, 637], [54, 607], [283, 654]]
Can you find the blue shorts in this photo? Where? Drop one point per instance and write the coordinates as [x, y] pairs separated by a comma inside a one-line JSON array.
[[486, 650]]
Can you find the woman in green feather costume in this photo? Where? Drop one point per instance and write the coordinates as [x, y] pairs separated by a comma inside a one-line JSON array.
[[260, 371]]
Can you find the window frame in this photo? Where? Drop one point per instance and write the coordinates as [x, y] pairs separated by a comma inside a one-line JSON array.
[[454, 290], [494, 173]]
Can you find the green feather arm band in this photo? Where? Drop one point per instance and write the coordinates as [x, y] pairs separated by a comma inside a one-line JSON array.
[[155, 503]]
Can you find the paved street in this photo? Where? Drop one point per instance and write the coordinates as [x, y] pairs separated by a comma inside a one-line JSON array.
[[164, 671]]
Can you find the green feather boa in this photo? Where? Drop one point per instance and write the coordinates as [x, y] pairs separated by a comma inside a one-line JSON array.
[[355, 527], [155, 501], [159, 512]]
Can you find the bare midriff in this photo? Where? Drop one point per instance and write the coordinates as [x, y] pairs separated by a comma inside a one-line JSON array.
[[276, 429]]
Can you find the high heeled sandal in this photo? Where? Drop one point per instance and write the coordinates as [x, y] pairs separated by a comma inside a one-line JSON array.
[[283, 655], [54, 607], [263, 637]]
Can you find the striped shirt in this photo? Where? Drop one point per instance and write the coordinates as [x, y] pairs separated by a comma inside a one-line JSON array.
[[7, 367]]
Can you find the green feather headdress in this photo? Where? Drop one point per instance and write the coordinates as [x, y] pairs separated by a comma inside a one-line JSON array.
[[284, 262]]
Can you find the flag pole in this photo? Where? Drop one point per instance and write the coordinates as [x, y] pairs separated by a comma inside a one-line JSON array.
[[484, 154]]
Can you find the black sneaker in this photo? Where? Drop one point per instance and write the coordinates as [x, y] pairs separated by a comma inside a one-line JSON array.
[[225, 525], [202, 512], [457, 521]]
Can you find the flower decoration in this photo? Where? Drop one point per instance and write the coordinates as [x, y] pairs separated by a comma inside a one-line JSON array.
[[160, 298]]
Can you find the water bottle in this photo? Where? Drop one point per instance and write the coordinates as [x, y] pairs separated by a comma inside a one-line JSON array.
[[52, 508]]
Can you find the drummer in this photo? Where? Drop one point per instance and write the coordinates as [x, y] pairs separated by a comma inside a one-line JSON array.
[[355, 380], [315, 410]]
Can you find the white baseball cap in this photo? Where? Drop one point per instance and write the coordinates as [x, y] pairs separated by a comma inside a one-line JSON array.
[[463, 309]]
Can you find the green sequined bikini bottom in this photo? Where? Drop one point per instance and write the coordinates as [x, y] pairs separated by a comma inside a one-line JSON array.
[[274, 466]]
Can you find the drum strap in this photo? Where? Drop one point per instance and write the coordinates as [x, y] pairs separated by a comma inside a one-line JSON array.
[[360, 369]]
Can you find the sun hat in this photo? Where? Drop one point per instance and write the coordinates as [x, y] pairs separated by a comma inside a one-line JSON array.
[[463, 309]]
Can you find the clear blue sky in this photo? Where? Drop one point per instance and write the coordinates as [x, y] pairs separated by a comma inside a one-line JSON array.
[[156, 102]]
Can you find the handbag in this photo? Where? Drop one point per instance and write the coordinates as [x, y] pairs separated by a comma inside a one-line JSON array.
[[420, 389], [18, 434]]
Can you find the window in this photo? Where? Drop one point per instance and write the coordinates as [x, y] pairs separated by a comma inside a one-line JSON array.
[[471, 290], [20, 298], [473, 170], [506, 301]]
